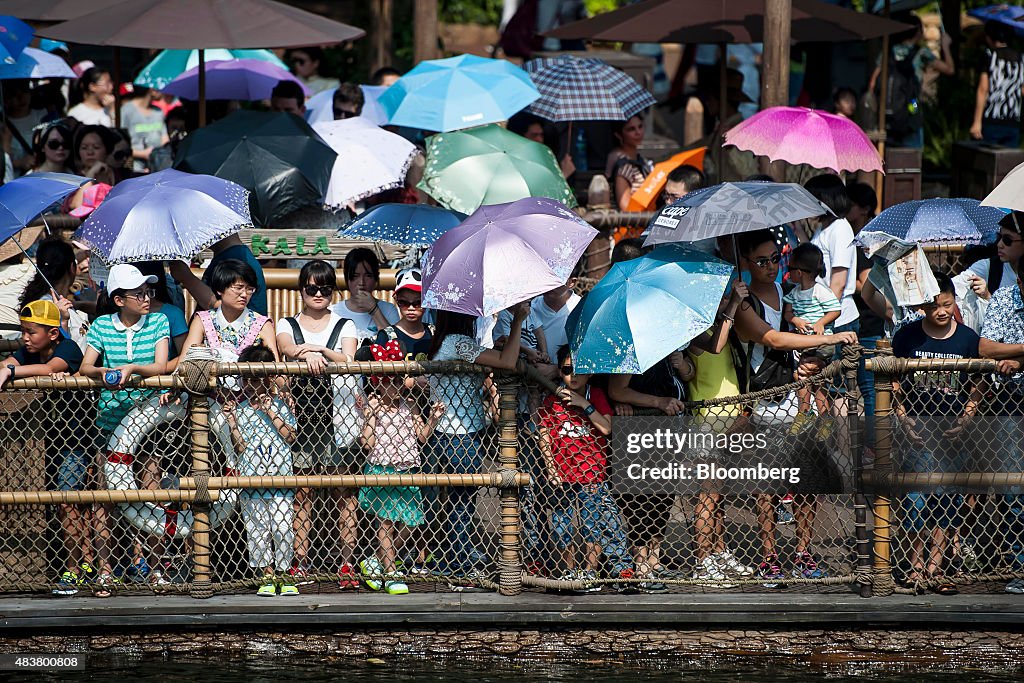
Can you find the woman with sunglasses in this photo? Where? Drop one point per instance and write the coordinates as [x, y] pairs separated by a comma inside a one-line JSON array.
[[51, 144], [986, 276], [305, 63], [325, 407]]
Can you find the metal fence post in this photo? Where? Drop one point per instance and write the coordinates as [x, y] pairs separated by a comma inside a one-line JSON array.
[[510, 573]]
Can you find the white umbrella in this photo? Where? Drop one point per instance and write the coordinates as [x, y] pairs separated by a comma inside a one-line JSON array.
[[370, 160], [1009, 193], [320, 107], [35, 63]]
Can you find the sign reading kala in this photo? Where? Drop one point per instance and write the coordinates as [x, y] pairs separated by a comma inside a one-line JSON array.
[[300, 244], [271, 246]]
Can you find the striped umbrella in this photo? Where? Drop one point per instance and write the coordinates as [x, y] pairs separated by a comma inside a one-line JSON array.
[[584, 89]]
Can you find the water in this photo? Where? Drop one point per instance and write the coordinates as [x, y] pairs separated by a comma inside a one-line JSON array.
[[263, 669]]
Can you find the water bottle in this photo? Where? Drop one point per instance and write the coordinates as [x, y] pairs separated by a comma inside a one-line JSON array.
[[112, 378], [579, 150]]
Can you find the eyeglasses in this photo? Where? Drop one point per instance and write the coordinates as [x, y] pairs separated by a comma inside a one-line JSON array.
[[344, 114], [312, 290], [143, 296], [242, 289], [57, 144], [1009, 240], [121, 155], [405, 303], [763, 262]]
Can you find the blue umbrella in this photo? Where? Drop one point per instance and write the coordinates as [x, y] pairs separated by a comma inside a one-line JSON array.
[[645, 309], [458, 92], [413, 225], [23, 199], [15, 35], [35, 63], [1010, 15], [164, 216], [960, 221]]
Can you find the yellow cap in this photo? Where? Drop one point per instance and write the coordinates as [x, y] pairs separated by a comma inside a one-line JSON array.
[[41, 312]]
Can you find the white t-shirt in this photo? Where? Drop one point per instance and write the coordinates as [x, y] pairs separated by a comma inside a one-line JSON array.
[[89, 116], [503, 327], [462, 395], [365, 327], [836, 244], [981, 268], [553, 322], [348, 422]]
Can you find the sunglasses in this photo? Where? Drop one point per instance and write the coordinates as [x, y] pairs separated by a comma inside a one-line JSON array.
[[565, 369], [1009, 240], [57, 144], [404, 303], [312, 290], [344, 114], [763, 262]]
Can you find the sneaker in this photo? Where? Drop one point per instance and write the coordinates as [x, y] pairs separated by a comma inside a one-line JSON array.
[[589, 579], [783, 515], [1016, 587], [804, 567], [157, 580], [86, 573], [536, 568], [348, 580], [771, 570], [970, 557], [394, 585], [801, 423], [299, 573], [826, 425], [372, 571], [626, 586], [288, 588], [652, 587], [732, 565], [268, 588], [710, 573], [138, 572], [787, 499], [467, 582], [67, 584]]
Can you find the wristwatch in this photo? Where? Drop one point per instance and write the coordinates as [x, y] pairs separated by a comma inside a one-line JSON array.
[[11, 368], [589, 410]]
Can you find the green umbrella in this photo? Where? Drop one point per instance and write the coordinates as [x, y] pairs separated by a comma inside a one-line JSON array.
[[489, 165], [170, 64]]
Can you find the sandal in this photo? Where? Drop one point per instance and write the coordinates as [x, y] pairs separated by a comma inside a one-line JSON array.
[[946, 588], [104, 586]]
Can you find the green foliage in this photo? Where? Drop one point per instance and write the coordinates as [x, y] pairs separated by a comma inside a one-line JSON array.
[[484, 12]]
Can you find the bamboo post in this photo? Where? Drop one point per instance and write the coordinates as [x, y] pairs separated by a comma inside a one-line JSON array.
[[199, 376], [510, 572], [883, 583]]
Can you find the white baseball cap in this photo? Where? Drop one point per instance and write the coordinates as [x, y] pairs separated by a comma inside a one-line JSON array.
[[126, 276]]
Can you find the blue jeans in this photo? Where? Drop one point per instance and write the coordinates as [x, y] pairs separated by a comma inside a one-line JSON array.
[[866, 380], [458, 454], [914, 138], [600, 522], [1004, 134], [536, 537]]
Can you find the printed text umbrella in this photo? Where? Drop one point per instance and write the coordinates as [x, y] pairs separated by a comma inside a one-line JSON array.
[[490, 165], [799, 135], [413, 225], [1009, 193], [457, 92], [35, 63], [170, 64], [648, 192], [584, 89], [644, 309], [164, 216], [503, 255], [961, 221], [370, 160], [235, 79], [276, 156], [730, 208]]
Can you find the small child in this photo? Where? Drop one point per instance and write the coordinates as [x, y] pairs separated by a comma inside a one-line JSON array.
[[128, 342], [392, 433], [573, 437], [46, 352], [811, 308], [262, 431]]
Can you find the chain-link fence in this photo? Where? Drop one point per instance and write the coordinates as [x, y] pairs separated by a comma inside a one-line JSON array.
[[445, 476]]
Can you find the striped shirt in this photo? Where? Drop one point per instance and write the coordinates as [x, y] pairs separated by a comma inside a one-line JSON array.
[[119, 345], [812, 304]]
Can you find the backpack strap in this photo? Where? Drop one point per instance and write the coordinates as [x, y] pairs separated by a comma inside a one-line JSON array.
[[995, 273], [212, 336], [332, 340], [296, 330]]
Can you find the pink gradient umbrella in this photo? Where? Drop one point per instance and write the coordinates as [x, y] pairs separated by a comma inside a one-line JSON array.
[[806, 136]]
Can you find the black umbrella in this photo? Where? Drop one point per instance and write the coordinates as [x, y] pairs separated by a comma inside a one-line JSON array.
[[276, 156]]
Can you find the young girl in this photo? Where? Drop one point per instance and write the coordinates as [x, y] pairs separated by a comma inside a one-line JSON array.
[[329, 423], [232, 326], [262, 429], [362, 277], [59, 268], [810, 308], [392, 434]]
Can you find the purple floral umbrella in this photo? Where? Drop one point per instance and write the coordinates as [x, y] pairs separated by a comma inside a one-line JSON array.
[[236, 79], [164, 216], [504, 254]]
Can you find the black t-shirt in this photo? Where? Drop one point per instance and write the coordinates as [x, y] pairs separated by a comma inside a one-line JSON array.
[[870, 324], [66, 350], [1005, 71], [414, 349], [67, 432], [659, 380], [935, 393]]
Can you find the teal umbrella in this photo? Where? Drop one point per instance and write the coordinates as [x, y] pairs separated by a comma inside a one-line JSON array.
[[644, 309], [170, 64], [490, 165]]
